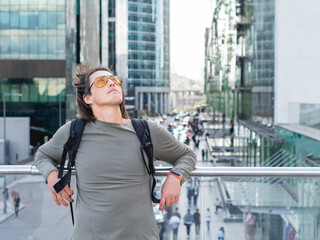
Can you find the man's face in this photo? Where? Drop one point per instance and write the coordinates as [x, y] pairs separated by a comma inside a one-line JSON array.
[[110, 94]]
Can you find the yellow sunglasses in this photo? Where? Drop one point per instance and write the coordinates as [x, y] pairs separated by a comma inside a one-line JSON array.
[[103, 80]]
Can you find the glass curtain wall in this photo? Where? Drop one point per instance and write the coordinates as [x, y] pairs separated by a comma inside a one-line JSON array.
[[149, 48], [32, 29]]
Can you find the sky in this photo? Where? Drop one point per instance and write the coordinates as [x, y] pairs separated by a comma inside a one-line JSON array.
[[188, 20]]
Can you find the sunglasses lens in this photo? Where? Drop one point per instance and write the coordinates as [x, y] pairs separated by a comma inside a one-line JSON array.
[[116, 80], [101, 82]]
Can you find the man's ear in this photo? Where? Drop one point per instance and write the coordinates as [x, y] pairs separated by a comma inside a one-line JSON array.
[[87, 99]]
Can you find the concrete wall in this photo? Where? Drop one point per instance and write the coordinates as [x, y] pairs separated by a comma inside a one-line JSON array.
[[297, 57], [18, 135]]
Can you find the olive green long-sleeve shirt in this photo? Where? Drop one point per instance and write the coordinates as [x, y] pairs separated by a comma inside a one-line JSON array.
[[113, 186]]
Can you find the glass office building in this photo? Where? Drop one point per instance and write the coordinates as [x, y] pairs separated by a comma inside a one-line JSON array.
[[149, 54], [32, 61], [263, 59]]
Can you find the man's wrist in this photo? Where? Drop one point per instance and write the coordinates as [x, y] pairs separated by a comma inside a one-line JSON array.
[[175, 174]]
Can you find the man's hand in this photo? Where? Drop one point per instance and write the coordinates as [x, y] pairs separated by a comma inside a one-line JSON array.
[[64, 194], [170, 191]]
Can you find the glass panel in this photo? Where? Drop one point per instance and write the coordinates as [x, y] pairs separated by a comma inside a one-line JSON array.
[[4, 2], [34, 93], [61, 44], [24, 44], [43, 20], [236, 208], [33, 20], [14, 44], [15, 89], [33, 44], [52, 47], [52, 20], [25, 92], [24, 20], [14, 19], [4, 41], [61, 18], [43, 44], [43, 89], [4, 19], [52, 90]]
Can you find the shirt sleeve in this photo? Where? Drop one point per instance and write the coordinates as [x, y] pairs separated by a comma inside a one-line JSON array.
[[49, 154], [167, 148]]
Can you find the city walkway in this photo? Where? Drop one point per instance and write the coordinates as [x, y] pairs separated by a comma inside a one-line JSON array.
[[207, 197]]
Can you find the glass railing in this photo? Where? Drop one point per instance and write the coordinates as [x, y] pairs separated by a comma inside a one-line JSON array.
[[248, 203]]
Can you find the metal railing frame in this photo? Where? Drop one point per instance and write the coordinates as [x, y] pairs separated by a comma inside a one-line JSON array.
[[199, 171]]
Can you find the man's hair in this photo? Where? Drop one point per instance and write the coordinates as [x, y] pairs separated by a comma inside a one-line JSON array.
[[82, 84]]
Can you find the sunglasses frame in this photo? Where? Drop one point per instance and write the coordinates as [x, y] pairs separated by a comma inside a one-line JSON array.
[[117, 82]]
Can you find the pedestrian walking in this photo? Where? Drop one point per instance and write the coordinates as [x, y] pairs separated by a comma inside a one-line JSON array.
[[190, 190], [221, 233], [250, 226], [176, 213], [16, 203], [218, 204], [197, 143], [203, 154], [174, 223], [113, 184], [187, 141], [194, 138], [195, 194], [188, 220], [197, 221], [197, 181], [207, 217], [207, 154]]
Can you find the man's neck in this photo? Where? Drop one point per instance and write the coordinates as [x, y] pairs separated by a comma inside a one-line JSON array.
[[110, 114]]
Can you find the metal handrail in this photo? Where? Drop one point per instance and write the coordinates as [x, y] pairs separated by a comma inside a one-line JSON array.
[[199, 171]]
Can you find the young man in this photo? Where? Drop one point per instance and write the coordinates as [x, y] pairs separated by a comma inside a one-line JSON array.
[[113, 186]]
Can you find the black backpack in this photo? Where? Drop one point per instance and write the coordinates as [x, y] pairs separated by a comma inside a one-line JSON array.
[[71, 146]]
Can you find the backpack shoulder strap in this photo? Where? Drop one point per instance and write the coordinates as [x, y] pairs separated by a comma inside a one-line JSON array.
[[143, 132], [70, 147]]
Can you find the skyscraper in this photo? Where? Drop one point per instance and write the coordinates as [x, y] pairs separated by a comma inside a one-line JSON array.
[[149, 55]]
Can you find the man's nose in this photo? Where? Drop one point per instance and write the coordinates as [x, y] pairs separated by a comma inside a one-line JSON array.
[[110, 83]]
